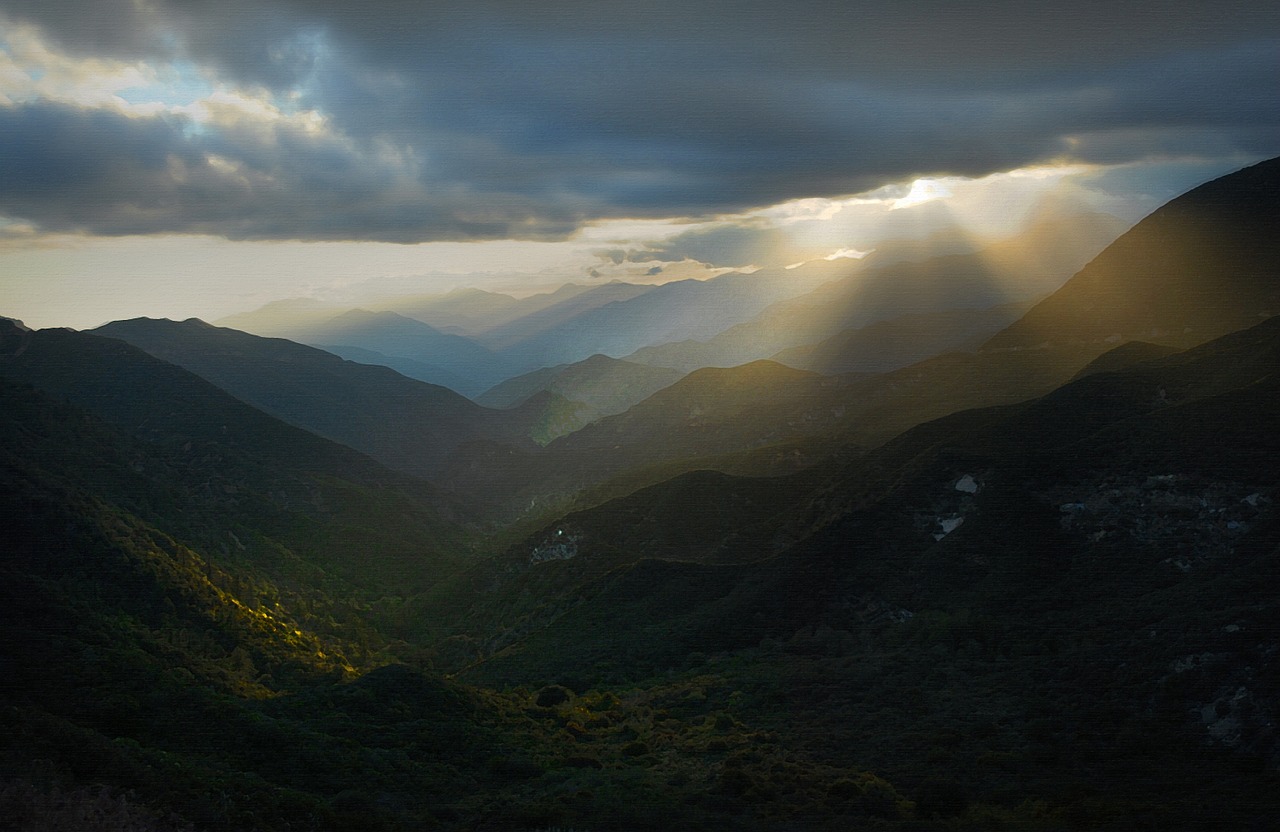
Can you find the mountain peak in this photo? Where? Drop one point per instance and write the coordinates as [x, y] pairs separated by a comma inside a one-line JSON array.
[[599, 360], [148, 321]]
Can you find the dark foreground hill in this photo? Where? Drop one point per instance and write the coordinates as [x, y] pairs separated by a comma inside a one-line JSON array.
[[220, 472], [185, 646], [157, 678]]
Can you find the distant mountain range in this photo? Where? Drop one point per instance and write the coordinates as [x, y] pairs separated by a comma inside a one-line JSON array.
[[508, 337], [470, 340], [1011, 271], [705, 419]]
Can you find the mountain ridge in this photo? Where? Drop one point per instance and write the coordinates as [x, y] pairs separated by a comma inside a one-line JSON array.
[[409, 425], [1199, 266]]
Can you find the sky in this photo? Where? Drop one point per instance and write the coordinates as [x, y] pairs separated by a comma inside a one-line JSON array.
[[179, 158]]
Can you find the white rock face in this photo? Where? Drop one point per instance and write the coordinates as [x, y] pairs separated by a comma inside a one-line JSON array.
[[967, 484], [948, 526]]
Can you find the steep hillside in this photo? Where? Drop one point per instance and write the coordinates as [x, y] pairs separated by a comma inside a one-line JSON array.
[[754, 418], [156, 681], [888, 345], [396, 336], [1140, 436], [407, 367], [705, 414], [407, 425], [1126, 355], [1202, 265], [603, 386], [410, 346], [229, 476]]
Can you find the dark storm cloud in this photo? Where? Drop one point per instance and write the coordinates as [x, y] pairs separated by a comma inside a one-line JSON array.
[[542, 115], [101, 172], [816, 37]]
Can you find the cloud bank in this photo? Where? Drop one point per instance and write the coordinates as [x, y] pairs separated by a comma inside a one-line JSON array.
[[409, 122]]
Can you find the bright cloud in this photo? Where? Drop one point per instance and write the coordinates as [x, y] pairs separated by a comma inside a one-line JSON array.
[[839, 254], [922, 190], [848, 254], [30, 70]]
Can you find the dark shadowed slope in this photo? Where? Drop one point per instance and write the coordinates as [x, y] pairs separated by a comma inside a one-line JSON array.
[[1202, 265], [707, 413], [761, 418], [471, 365], [407, 367], [212, 470], [409, 346], [156, 400], [1092, 572], [1126, 355], [1209, 414], [192, 640], [406, 424]]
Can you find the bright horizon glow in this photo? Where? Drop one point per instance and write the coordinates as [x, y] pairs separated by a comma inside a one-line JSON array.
[[922, 190], [83, 281]]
